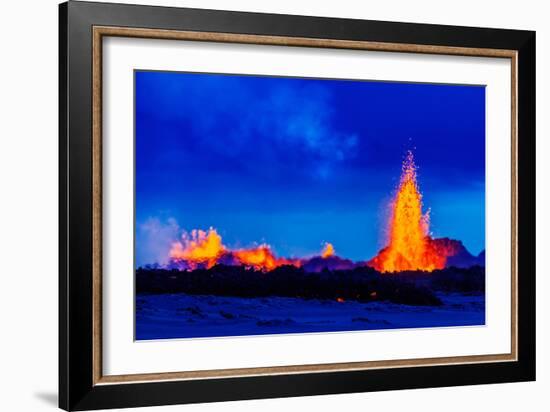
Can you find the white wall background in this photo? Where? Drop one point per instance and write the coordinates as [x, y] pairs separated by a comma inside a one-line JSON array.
[[28, 203]]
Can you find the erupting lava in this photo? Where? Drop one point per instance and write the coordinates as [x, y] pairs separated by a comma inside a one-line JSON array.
[[262, 258], [198, 248], [328, 251], [205, 249], [410, 247]]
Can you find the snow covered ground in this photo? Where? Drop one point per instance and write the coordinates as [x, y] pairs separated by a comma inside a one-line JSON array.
[[169, 316]]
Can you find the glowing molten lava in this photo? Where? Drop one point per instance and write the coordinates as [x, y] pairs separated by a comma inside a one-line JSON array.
[[205, 249], [410, 247], [262, 258], [198, 247], [328, 251]]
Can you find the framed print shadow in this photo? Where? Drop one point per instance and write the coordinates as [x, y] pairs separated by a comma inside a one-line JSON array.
[[256, 205]]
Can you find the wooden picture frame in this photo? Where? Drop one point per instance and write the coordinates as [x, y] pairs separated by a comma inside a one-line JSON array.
[[82, 384]]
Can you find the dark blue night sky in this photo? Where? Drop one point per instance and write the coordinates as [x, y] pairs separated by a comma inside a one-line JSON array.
[[297, 162]]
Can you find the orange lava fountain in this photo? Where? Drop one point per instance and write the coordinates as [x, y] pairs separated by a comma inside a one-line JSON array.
[[328, 251], [410, 247]]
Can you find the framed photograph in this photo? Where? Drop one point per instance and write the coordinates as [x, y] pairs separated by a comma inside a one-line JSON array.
[[257, 205]]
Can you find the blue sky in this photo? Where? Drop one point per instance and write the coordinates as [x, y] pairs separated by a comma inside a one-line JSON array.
[[298, 162]]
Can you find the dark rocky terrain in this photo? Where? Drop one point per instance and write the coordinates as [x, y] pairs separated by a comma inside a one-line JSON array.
[[362, 284]]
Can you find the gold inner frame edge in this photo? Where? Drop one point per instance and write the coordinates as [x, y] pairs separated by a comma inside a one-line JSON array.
[[98, 32]]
